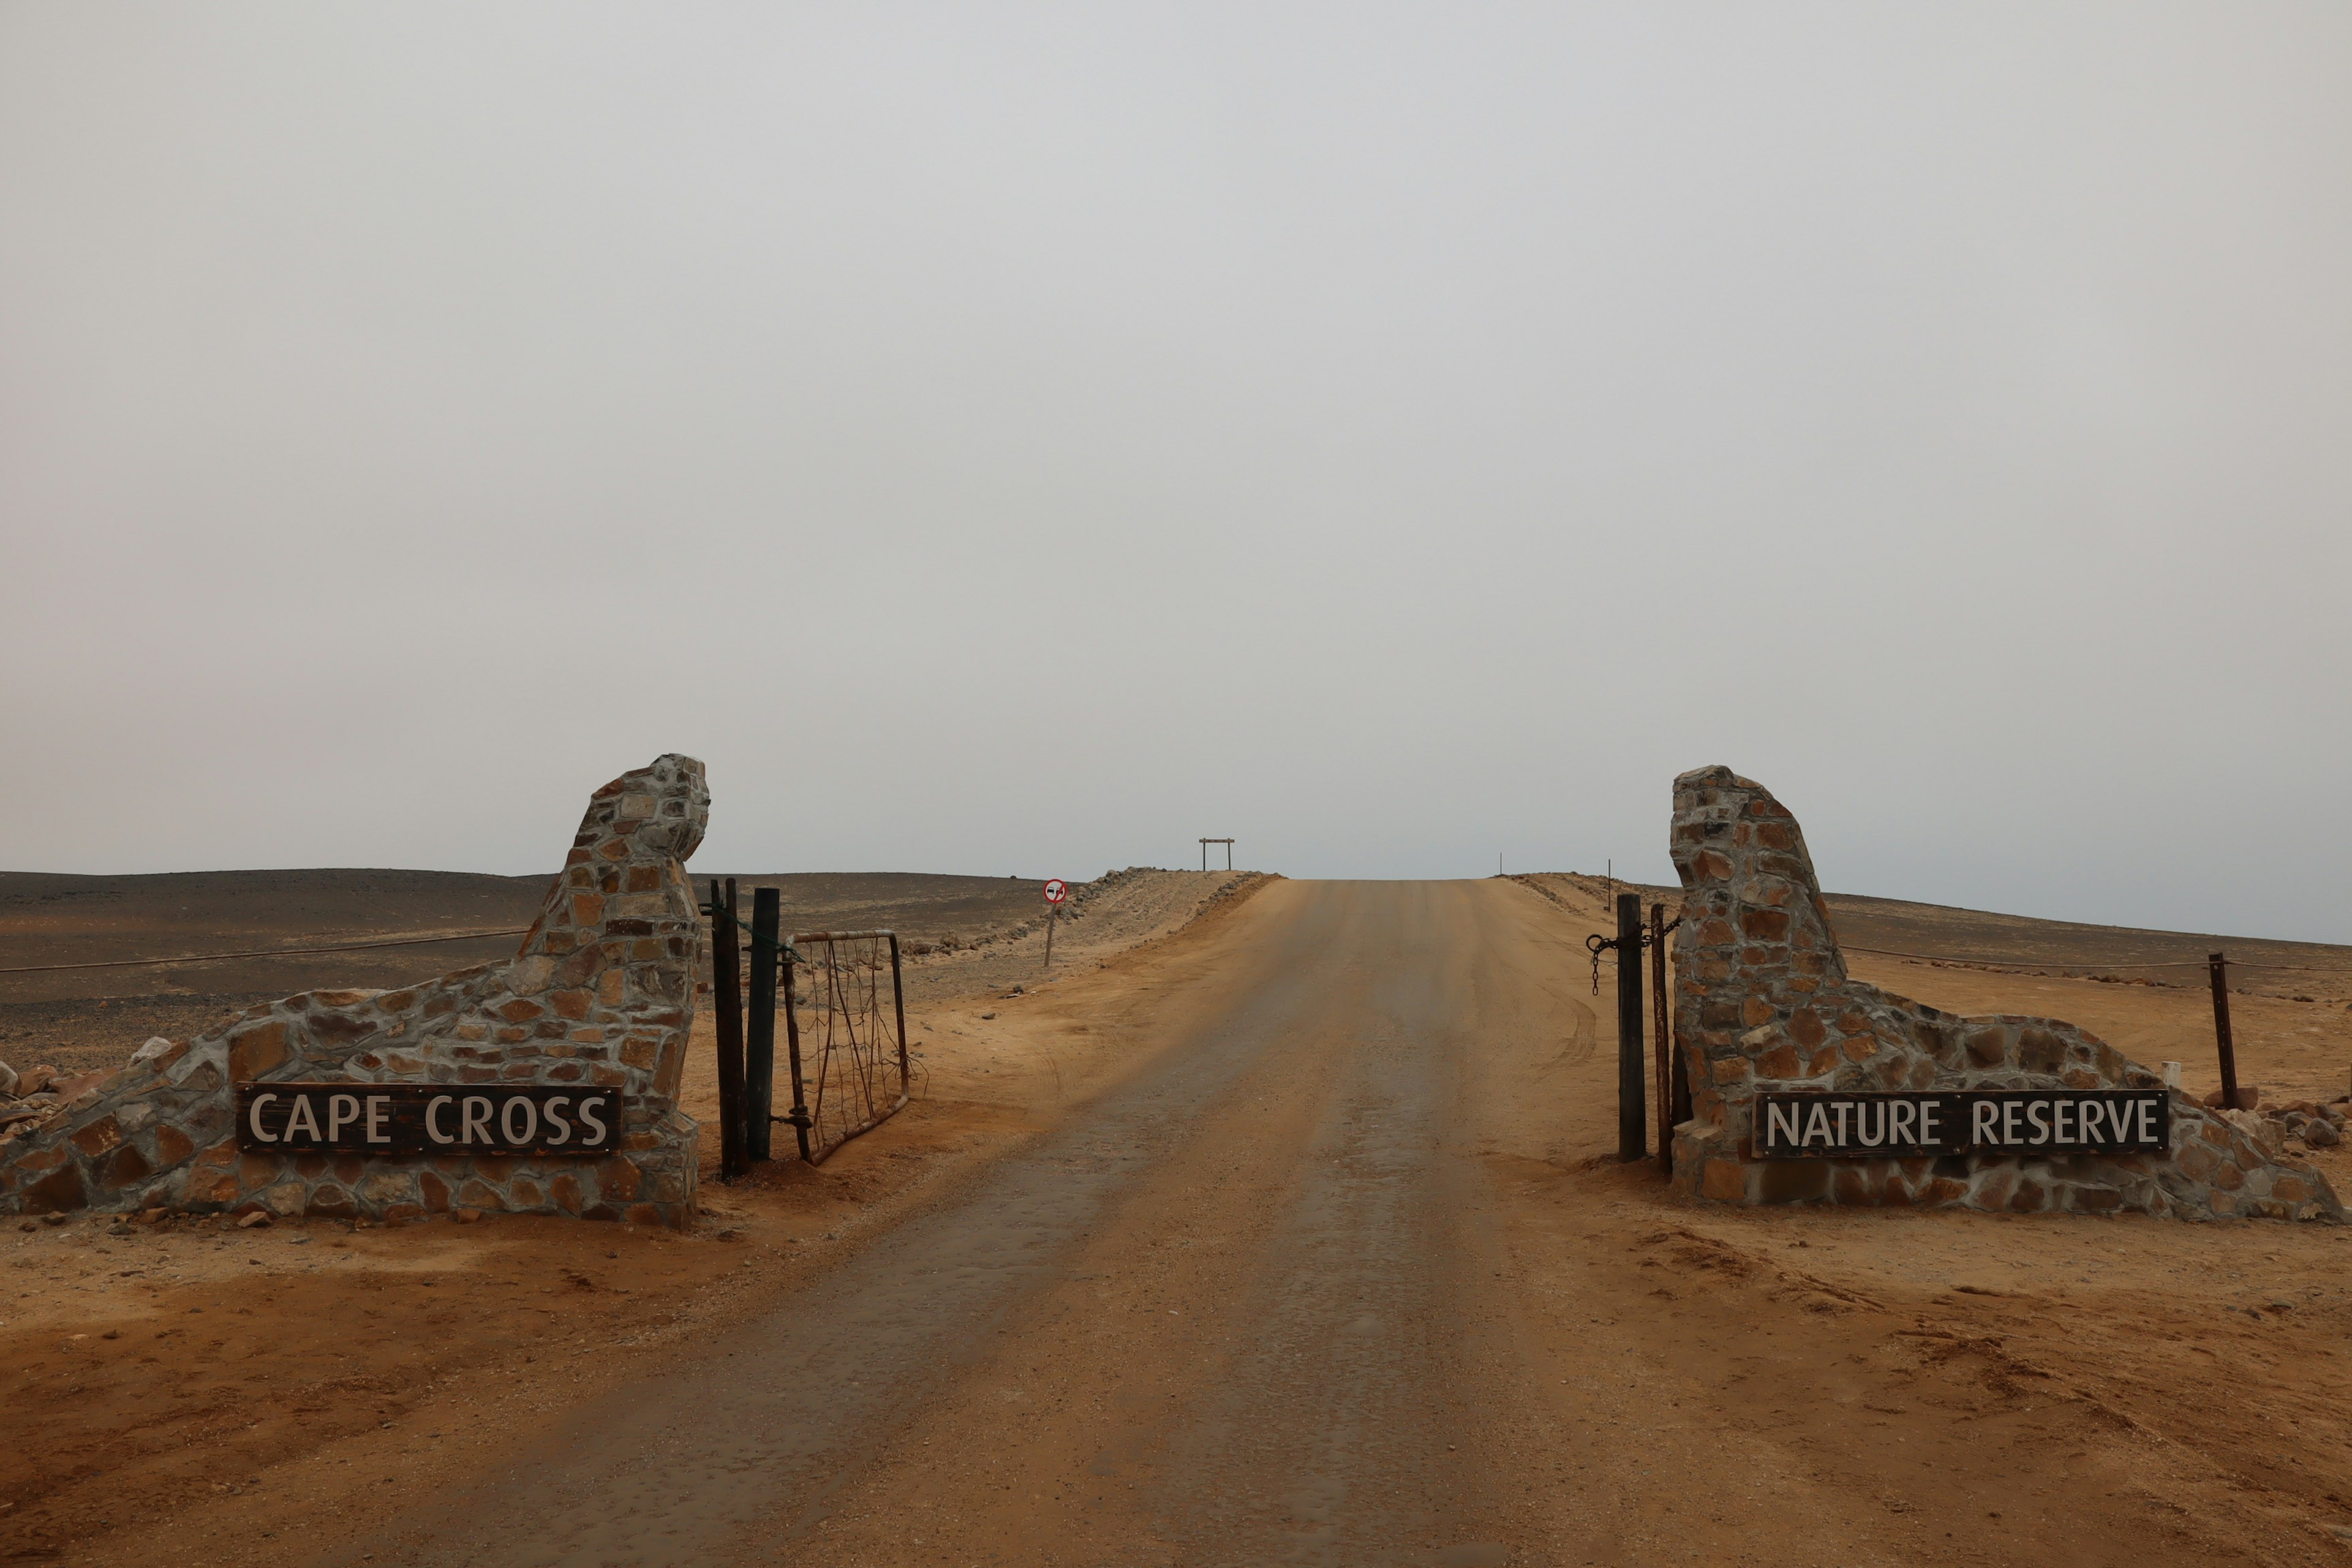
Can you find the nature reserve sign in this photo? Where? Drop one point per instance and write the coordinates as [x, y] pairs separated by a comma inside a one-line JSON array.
[[1961, 1121], [430, 1119]]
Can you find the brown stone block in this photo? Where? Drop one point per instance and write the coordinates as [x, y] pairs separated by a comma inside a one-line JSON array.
[[1755, 1011], [1805, 1027], [1858, 1048], [1852, 1184], [637, 1051], [332, 1200], [1790, 1181], [520, 1072], [1988, 1047], [257, 1050], [2290, 1189], [524, 1195], [1730, 1069], [98, 1137], [1717, 934], [2079, 1078], [612, 987], [520, 1011], [257, 1170], [587, 909], [1708, 865], [572, 1004], [1821, 1061], [126, 1167], [1764, 925], [213, 1190], [1993, 1188], [223, 1153], [1923, 1074], [565, 1192], [617, 1181], [1780, 1061], [436, 1192], [1725, 1181], [671, 1068], [479, 1194], [2228, 1176], [2267, 1209], [513, 1035], [57, 1192], [171, 1145], [1941, 1191], [478, 1075], [309, 1167], [2030, 1196], [608, 1077]]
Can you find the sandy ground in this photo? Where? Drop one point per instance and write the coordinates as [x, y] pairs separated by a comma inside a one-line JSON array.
[[1291, 1236]]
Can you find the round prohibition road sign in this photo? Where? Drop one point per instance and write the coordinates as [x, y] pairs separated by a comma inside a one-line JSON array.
[[1057, 890]]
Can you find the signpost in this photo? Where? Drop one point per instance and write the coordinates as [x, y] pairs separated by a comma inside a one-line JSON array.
[[1057, 891], [1877, 1126]]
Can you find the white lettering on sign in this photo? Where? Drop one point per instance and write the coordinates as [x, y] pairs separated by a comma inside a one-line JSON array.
[[1951, 1121], [391, 1118], [302, 1122]]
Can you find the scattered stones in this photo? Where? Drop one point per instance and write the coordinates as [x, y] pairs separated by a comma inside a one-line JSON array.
[[466, 1216], [1763, 1002], [257, 1219], [2249, 1098]]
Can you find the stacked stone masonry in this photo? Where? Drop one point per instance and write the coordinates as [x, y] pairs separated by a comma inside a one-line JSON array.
[[1762, 1002], [600, 993]]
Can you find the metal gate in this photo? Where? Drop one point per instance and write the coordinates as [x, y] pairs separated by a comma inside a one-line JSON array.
[[850, 1053]]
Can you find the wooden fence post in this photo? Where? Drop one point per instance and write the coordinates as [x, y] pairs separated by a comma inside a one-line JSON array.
[[2219, 967]]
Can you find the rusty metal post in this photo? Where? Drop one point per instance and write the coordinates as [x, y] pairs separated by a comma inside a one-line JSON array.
[[898, 1001], [1665, 1084], [799, 1116], [727, 1001], [2219, 967], [1632, 1118], [760, 1039]]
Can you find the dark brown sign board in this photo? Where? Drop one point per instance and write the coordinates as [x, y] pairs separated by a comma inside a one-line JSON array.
[[560, 1119], [1907, 1125]]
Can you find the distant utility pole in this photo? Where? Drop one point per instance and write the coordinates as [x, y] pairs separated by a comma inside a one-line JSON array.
[[1204, 852]]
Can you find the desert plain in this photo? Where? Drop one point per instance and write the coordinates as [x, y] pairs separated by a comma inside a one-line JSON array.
[[1279, 1221]]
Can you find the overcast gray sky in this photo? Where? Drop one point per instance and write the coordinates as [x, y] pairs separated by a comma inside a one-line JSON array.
[[1025, 438]]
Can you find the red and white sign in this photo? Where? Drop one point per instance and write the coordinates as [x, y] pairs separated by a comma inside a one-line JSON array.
[[1057, 890]]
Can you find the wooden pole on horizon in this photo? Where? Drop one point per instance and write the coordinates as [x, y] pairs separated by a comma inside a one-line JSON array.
[[2219, 967], [1632, 1118], [727, 1003]]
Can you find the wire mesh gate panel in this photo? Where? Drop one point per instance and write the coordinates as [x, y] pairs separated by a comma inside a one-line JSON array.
[[847, 1040]]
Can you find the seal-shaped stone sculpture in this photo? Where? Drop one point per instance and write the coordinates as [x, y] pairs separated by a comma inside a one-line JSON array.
[[600, 995]]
